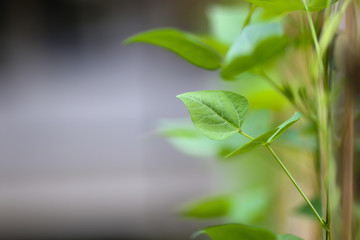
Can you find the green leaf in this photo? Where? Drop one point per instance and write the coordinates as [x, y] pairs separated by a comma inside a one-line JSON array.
[[215, 44], [208, 208], [282, 6], [237, 232], [279, 5], [267, 137], [318, 5], [225, 22], [285, 125], [185, 45], [287, 237], [256, 142], [183, 136], [256, 45], [217, 114], [304, 209], [250, 206]]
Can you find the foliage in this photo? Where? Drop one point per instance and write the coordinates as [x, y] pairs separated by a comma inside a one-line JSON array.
[[288, 45]]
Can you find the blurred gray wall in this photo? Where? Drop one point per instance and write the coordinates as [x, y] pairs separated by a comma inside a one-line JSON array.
[[78, 157]]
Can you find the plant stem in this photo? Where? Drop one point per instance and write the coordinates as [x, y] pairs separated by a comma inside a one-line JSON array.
[[248, 17], [322, 222], [244, 134], [313, 34]]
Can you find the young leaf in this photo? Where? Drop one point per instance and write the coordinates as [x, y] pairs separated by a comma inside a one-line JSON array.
[[287, 237], [256, 142], [217, 114], [255, 45], [236, 232], [267, 137], [185, 45], [208, 208], [285, 125]]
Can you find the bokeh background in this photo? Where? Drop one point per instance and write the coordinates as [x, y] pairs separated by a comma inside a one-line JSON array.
[[79, 153], [79, 157]]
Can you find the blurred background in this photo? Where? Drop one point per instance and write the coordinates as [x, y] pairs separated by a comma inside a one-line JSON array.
[[78, 110], [79, 153]]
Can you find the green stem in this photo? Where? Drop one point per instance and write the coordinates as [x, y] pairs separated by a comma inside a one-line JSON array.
[[244, 134], [248, 17], [313, 34], [322, 222]]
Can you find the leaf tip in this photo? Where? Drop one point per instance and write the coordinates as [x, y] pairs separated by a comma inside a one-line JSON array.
[[196, 234], [298, 115], [180, 96], [128, 41]]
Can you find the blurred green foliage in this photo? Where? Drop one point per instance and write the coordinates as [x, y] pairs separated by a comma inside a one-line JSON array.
[[271, 52]]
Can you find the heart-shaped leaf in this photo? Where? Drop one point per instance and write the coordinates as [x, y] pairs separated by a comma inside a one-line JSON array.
[[185, 45], [217, 114], [236, 232], [257, 44], [267, 137]]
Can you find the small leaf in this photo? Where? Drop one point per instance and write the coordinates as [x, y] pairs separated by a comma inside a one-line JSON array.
[[217, 114], [257, 44], [285, 125], [267, 137], [287, 237], [236, 232], [185, 45], [256, 142], [208, 208]]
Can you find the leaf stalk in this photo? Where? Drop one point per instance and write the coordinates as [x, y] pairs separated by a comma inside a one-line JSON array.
[[322, 222]]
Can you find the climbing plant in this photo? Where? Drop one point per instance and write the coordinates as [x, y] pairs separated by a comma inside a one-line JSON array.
[[303, 51]]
